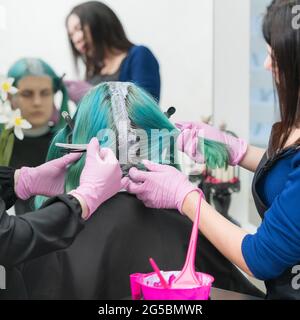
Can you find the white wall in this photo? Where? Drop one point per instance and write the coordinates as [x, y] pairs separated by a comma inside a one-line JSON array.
[[232, 82], [178, 32]]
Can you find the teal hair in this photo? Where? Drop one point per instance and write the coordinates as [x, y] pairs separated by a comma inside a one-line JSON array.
[[37, 67], [95, 113]]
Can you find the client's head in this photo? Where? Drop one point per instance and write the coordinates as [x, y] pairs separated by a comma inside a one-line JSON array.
[[124, 118]]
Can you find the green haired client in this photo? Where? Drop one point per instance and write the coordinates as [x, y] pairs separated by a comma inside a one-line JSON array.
[[36, 83], [32, 119]]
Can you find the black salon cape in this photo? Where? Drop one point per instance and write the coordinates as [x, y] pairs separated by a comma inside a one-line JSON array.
[[29, 152], [34, 234], [118, 241]]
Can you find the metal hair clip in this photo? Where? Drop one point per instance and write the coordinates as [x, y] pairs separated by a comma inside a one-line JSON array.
[[170, 112], [70, 124], [69, 147], [60, 81], [61, 78], [68, 120]]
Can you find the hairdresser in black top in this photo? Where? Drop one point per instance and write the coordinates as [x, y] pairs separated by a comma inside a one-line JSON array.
[[57, 223]]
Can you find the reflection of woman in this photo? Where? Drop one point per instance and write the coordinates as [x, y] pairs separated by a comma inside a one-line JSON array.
[[37, 83], [121, 236], [97, 38], [55, 225], [274, 250]]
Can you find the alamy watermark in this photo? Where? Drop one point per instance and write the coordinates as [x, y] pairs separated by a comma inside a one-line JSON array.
[[2, 278], [296, 278], [296, 18], [158, 145]]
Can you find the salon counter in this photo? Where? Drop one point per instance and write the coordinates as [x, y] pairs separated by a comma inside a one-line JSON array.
[[220, 294]]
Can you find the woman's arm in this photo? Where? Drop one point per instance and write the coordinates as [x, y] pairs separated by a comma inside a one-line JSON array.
[[37, 233], [223, 234], [275, 246], [252, 158], [240, 152]]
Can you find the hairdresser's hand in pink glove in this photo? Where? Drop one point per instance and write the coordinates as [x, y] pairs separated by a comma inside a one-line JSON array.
[[100, 178], [188, 140], [77, 89], [47, 179], [162, 187]]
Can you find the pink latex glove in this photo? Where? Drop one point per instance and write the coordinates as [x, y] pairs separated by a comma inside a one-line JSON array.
[[190, 132], [162, 187], [100, 178], [47, 179], [77, 89], [188, 141]]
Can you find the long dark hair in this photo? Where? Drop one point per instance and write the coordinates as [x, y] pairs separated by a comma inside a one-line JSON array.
[[284, 40], [106, 30]]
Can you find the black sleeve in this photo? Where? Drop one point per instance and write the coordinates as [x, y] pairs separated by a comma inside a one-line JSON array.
[[7, 192], [37, 233]]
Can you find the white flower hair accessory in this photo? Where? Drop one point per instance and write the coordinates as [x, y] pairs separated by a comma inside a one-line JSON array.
[[11, 121], [6, 87], [18, 124]]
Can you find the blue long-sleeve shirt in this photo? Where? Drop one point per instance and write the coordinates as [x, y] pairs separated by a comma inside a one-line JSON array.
[[276, 245], [141, 67]]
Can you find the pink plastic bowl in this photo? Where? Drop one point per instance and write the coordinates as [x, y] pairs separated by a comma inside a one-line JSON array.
[[147, 287]]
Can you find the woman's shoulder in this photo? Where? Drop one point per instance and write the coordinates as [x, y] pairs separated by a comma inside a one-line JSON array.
[[294, 175], [296, 160], [140, 50]]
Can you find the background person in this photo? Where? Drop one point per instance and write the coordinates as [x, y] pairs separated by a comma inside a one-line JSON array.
[[98, 39]]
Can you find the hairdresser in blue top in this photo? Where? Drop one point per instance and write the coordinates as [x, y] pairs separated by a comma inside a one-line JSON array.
[[273, 252], [98, 39]]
